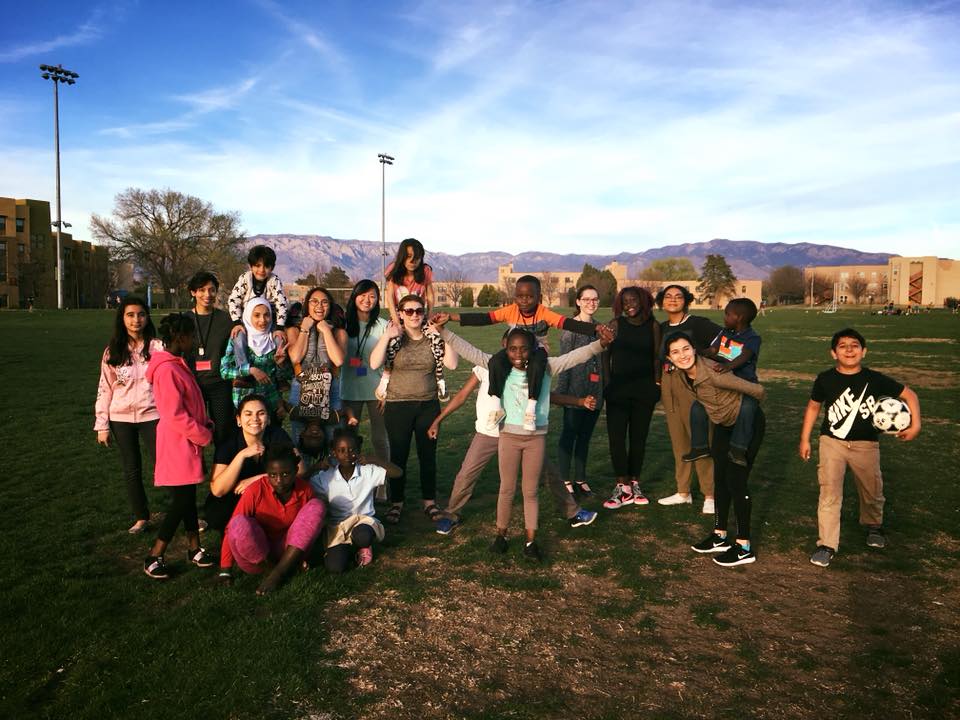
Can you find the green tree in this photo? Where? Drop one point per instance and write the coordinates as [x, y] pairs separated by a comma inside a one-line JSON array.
[[488, 296], [466, 297], [785, 285], [310, 280], [336, 278], [602, 280], [716, 279], [669, 269], [170, 236]]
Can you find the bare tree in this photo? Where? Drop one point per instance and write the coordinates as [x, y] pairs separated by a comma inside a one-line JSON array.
[[509, 287], [858, 288], [549, 284], [822, 286], [170, 236], [454, 284]]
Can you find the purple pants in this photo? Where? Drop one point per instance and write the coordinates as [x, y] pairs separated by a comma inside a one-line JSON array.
[[251, 546]]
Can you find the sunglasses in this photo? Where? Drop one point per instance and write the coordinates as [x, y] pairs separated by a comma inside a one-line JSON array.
[[410, 312]]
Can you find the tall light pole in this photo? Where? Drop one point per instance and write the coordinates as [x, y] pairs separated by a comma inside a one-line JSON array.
[[384, 161], [58, 75]]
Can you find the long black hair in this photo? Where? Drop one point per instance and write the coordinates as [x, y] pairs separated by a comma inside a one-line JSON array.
[[353, 320], [119, 347], [399, 270]]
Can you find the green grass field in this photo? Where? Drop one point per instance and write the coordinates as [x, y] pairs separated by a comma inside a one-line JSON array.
[[622, 620]]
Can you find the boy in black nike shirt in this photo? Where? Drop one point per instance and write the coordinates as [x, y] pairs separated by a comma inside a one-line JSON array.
[[847, 437]]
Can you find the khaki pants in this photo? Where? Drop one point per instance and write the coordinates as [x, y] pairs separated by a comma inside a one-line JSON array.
[[863, 457], [523, 454], [339, 534], [676, 406]]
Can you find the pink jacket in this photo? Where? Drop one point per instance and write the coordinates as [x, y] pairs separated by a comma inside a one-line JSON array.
[[124, 393], [183, 428]]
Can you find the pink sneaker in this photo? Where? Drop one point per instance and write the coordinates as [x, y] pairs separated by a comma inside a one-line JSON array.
[[622, 495], [364, 556], [638, 497]]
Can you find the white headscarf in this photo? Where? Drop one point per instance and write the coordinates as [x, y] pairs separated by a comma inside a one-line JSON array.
[[260, 342]]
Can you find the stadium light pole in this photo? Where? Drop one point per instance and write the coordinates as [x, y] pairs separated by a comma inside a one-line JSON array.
[[58, 75], [384, 161]]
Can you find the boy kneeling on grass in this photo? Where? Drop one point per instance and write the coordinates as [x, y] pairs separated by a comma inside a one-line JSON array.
[[848, 437]]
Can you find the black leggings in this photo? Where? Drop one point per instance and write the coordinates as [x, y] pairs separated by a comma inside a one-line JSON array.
[[731, 479], [578, 424], [219, 399], [405, 419], [339, 557], [499, 366], [127, 436], [183, 506], [629, 420]]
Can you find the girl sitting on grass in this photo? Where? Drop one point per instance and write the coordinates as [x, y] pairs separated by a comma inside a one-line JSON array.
[[275, 523], [348, 487]]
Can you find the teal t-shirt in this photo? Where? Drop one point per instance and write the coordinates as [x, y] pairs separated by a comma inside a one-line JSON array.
[[515, 394], [357, 380]]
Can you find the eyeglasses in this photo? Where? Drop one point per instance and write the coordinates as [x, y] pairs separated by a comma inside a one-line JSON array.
[[322, 303], [590, 300], [410, 312]]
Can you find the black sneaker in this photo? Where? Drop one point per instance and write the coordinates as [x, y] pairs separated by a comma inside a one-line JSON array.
[[737, 456], [876, 538], [697, 453], [822, 556], [532, 551], [712, 543], [736, 555], [154, 567], [499, 545], [200, 558]]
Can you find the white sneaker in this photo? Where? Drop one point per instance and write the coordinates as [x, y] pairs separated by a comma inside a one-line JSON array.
[[676, 499], [708, 507]]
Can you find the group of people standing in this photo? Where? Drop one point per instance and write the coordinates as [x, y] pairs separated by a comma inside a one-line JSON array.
[[287, 500]]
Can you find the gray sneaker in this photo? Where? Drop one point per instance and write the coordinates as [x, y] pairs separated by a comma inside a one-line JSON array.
[[876, 538], [822, 556]]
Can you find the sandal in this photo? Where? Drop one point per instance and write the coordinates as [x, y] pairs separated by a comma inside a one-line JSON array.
[[432, 511], [568, 486], [393, 514], [583, 489]]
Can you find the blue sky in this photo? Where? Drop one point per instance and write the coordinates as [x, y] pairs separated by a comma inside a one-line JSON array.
[[561, 126]]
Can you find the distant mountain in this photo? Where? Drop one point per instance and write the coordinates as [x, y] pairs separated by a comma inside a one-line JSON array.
[[299, 255]]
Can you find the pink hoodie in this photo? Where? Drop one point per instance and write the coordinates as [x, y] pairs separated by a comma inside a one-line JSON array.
[[183, 428], [124, 394]]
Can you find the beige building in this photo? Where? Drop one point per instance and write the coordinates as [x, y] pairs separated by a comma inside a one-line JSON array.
[[28, 252], [555, 285], [924, 280]]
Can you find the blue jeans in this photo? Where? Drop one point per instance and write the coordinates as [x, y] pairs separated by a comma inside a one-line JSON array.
[[742, 428]]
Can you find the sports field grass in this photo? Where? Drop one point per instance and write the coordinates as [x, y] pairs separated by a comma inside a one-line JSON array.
[[622, 620]]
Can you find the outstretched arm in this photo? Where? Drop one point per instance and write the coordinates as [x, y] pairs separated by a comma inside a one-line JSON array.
[[456, 402], [467, 351]]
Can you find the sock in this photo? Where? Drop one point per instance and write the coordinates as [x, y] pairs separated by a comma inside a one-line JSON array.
[[745, 546], [720, 533]]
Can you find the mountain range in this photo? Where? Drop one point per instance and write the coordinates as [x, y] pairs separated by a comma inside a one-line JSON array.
[[299, 255]]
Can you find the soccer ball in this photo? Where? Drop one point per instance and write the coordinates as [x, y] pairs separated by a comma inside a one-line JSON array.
[[891, 415]]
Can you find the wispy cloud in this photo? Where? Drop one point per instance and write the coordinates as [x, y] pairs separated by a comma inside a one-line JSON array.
[[88, 32], [218, 98], [310, 36]]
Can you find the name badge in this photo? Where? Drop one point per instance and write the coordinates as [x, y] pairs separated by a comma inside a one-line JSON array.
[[204, 365], [355, 362], [361, 371], [594, 377]]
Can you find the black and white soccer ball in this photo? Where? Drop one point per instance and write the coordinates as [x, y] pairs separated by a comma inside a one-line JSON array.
[[891, 415]]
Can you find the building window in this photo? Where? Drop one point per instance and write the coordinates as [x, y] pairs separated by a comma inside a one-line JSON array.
[[3, 262], [19, 224], [743, 289], [3, 223]]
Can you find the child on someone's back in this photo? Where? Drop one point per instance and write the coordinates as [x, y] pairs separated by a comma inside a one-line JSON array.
[[736, 348], [407, 275], [258, 281], [527, 313]]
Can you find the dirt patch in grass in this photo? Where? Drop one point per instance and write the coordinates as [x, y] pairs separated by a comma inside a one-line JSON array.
[[917, 377], [914, 340], [769, 640], [766, 375]]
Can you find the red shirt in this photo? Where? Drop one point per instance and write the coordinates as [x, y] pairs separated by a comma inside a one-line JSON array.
[[261, 502]]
